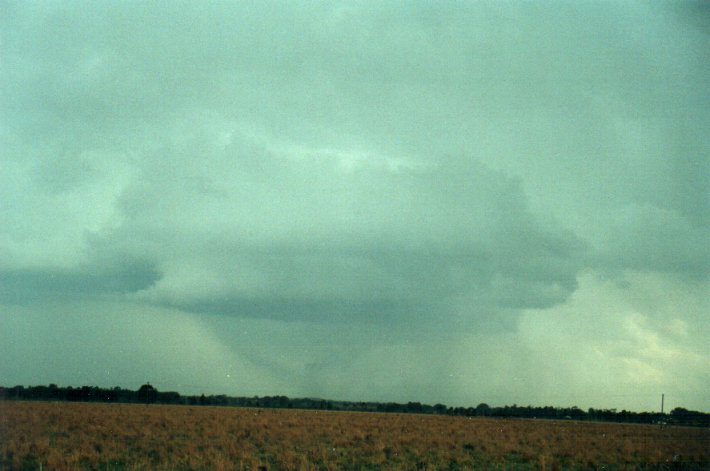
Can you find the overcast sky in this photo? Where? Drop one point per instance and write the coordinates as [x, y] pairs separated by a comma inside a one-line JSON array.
[[457, 202]]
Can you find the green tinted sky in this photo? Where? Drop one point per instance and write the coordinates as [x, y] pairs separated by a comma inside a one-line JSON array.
[[458, 202]]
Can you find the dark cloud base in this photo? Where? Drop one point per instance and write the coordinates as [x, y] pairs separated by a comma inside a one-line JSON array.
[[28, 286]]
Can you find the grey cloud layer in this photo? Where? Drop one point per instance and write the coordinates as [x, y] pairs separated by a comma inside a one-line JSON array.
[[275, 235], [359, 159], [451, 202]]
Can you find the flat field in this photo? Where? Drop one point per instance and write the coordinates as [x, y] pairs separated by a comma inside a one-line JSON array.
[[79, 436]]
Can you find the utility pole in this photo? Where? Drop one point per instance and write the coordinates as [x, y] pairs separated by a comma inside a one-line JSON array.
[[663, 397]]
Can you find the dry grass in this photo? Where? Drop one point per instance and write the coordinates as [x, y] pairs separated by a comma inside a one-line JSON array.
[[69, 436]]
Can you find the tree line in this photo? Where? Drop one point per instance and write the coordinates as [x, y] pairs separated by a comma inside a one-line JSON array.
[[148, 394]]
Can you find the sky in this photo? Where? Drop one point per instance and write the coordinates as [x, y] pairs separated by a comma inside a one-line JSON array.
[[455, 202]]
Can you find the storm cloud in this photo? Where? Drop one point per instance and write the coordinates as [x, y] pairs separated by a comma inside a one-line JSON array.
[[306, 191]]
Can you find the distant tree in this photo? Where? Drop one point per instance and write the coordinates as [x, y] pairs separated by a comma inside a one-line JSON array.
[[483, 409], [168, 397], [147, 394]]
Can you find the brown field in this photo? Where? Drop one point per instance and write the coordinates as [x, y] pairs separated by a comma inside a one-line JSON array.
[[79, 436]]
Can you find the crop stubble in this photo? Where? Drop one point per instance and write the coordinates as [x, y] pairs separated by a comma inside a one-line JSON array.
[[63, 435]]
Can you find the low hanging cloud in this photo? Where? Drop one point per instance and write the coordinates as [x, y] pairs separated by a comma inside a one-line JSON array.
[[406, 172], [245, 182], [320, 235]]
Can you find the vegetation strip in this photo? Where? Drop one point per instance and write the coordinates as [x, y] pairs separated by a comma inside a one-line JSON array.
[[149, 394]]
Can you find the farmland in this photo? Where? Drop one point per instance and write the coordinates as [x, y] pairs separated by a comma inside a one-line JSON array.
[[61, 435]]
